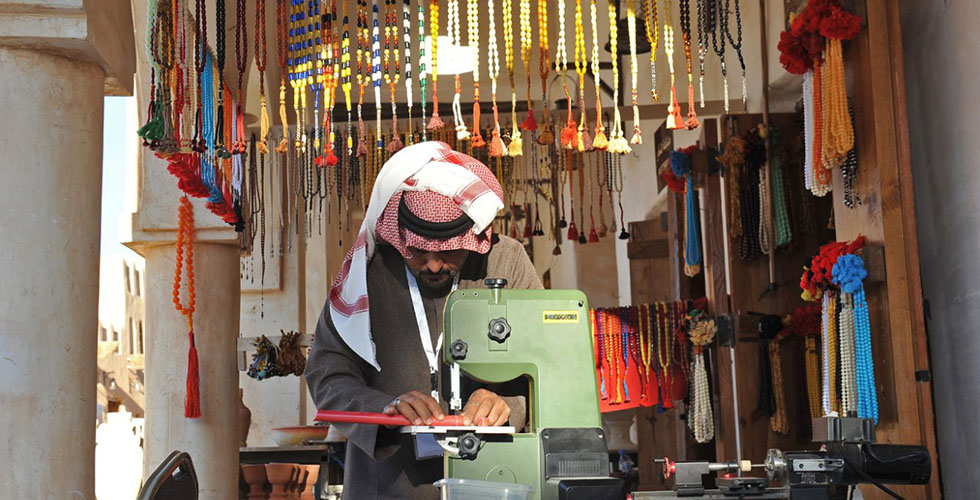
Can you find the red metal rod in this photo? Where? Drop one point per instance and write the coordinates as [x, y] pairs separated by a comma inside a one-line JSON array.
[[355, 417]]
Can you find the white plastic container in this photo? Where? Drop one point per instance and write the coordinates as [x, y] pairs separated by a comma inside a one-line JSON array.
[[471, 489]]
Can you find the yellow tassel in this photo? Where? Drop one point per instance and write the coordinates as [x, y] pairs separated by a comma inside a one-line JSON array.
[[516, 147], [283, 146], [263, 127]]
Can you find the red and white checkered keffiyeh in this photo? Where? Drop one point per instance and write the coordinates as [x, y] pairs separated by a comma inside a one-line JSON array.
[[438, 185]]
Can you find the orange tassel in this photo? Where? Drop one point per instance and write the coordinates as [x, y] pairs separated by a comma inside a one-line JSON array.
[[692, 117], [332, 159], [476, 140]]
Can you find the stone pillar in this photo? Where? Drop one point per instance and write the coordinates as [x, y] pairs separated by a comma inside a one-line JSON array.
[[212, 439], [53, 76]]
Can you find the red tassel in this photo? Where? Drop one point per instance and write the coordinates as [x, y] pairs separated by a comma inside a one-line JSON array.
[[593, 236], [192, 400], [572, 231], [529, 122], [395, 144], [332, 159]]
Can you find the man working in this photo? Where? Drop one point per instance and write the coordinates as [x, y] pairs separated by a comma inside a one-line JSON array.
[[427, 231]]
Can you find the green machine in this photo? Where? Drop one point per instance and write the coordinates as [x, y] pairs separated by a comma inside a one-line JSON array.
[[497, 335]]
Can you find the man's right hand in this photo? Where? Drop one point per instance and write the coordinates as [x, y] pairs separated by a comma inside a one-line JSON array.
[[417, 407]]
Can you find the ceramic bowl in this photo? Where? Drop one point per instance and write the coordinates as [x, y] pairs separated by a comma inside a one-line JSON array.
[[295, 436]]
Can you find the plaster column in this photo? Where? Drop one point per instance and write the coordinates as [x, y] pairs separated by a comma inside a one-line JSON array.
[[51, 95], [212, 439]]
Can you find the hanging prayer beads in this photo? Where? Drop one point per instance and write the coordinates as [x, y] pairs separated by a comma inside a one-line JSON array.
[[473, 39], [650, 15], [702, 44], [392, 72], [516, 144], [634, 70], [282, 51], [737, 45], [617, 139], [260, 64], [569, 134], [407, 40], [526, 41], [692, 117], [435, 123], [345, 80], [455, 40], [547, 137], [583, 139], [720, 21], [674, 119], [496, 148], [423, 80], [600, 142]]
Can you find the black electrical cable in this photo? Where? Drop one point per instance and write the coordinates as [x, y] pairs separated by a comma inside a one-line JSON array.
[[882, 487]]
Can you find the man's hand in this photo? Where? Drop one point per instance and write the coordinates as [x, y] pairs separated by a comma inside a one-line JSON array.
[[416, 407], [485, 408]]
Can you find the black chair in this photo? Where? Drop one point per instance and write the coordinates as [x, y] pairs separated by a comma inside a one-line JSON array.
[[174, 479]]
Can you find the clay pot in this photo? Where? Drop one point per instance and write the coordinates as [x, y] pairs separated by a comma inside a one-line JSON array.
[[255, 476], [309, 489], [280, 476], [244, 420]]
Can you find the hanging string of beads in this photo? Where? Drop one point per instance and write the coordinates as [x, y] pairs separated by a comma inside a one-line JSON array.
[[569, 133], [392, 72], [282, 57], [701, 331], [526, 43], [617, 139], [423, 76], [674, 119], [719, 18], [516, 145], [363, 58], [376, 77], [634, 70], [454, 39], [473, 40], [185, 242], [407, 43], [547, 136], [702, 45], [583, 140], [650, 16], [496, 148], [600, 142], [736, 44], [260, 65], [345, 81], [692, 116], [435, 123]]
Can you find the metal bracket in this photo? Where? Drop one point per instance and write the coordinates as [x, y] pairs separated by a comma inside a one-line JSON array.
[[818, 465]]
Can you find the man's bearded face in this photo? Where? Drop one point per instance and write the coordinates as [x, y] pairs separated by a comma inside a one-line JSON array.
[[435, 271]]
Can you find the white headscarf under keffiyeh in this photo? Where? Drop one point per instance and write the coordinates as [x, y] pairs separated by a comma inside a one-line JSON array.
[[438, 184]]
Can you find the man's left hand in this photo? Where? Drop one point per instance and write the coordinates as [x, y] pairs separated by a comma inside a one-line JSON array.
[[485, 409]]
